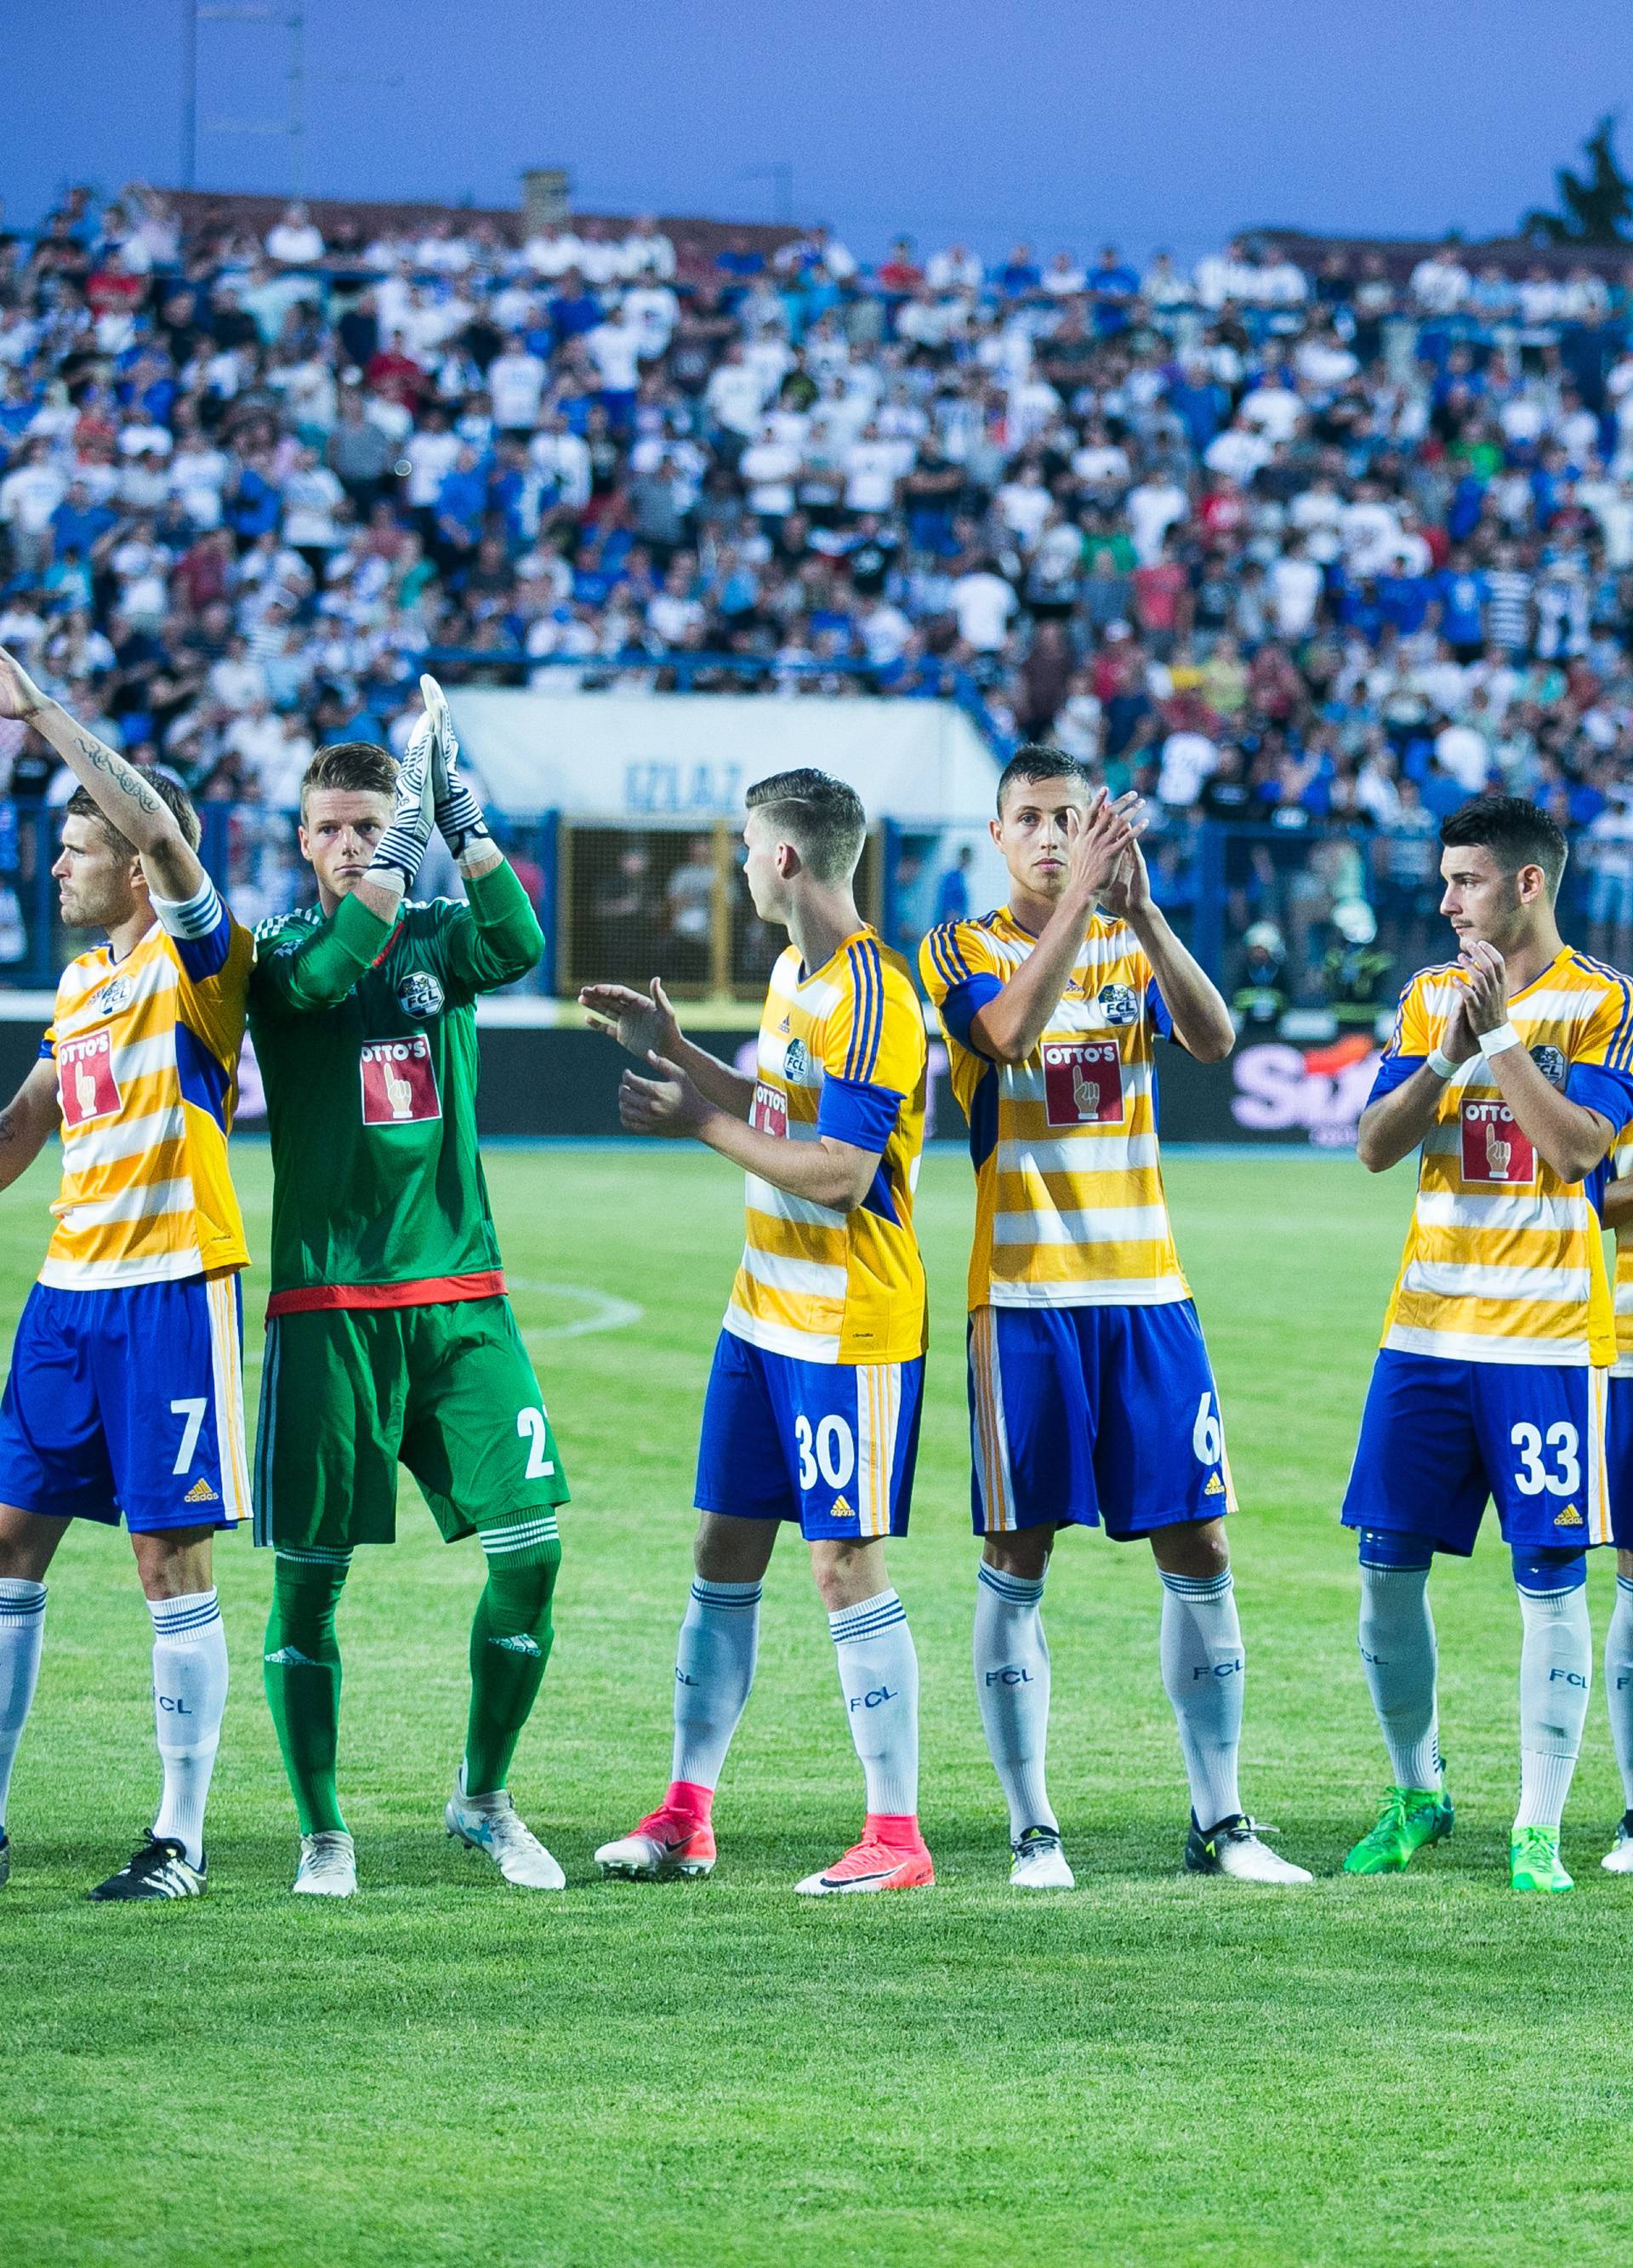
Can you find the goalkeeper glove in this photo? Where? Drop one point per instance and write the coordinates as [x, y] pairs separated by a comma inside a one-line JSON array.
[[403, 846], [460, 819]]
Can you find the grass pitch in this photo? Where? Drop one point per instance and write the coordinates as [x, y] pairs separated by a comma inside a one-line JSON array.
[[1150, 2068]]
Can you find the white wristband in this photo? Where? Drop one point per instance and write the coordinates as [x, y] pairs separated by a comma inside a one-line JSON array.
[[1441, 1064], [1496, 1043]]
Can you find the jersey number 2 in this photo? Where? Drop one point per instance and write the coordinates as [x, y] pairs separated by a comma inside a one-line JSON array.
[[531, 1427], [1533, 1476]]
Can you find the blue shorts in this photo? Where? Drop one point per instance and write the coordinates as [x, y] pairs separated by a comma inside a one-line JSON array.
[[1439, 1437], [1619, 1461], [829, 1443], [1093, 1414], [129, 1400]]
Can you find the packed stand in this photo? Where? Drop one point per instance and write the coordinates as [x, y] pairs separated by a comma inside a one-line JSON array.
[[1281, 549]]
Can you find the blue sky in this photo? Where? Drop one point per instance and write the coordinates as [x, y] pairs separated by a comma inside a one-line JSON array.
[[1168, 122]]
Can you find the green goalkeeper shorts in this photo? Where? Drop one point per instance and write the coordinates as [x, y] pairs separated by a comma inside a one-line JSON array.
[[347, 1392]]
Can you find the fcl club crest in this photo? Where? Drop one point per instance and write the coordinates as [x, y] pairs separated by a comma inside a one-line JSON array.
[[1551, 1064], [1119, 1004], [117, 993], [797, 1063], [419, 995]]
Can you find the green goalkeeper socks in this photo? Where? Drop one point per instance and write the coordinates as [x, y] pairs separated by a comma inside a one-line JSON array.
[[301, 1668], [510, 1645]]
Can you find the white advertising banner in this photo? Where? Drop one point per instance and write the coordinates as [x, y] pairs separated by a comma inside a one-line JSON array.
[[620, 755]]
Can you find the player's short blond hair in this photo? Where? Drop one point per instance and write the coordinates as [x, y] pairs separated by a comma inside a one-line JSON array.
[[353, 768]]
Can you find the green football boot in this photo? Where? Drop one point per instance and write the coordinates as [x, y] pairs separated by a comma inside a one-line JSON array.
[[1534, 1862], [1408, 1818]]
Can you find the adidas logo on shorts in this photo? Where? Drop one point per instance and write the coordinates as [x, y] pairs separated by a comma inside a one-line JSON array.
[[840, 1510], [1569, 1518], [201, 1493], [1215, 1486]]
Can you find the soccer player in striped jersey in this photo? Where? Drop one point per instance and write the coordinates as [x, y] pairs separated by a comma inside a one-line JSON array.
[[1510, 1070], [125, 1392], [812, 1410], [1616, 1210], [1091, 1398]]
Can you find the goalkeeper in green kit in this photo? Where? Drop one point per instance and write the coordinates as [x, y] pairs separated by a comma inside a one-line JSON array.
[[389, 1337]]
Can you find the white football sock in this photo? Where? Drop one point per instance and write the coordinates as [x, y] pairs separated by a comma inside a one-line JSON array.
[[713, 1671], [189, 1696], [1012, 1688], [878, 1677], [22, 1634], [1555, 1672], [1619, 1682], [1397, 1638], [1201, 1647]]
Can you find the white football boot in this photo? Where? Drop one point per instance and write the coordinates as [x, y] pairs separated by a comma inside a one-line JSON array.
[[1619, 1858], [1040, 1862], [492, 1825], [328, 1865], [1234, 1848]]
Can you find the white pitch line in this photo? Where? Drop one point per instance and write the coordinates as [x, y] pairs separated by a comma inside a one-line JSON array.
[[607, 1312]]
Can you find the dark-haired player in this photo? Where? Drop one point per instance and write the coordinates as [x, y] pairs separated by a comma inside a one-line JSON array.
[[125, 1393], [812, 1410], [389, 1337], [1510, 1069], [1091, 1398]]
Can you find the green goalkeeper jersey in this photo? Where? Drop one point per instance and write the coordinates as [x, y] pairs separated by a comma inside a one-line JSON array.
[[365, 1034]]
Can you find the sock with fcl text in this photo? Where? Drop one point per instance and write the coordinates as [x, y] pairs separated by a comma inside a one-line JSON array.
[[1618, 1683], [1398, 1651], [1201, 1647], [714, 1674], [22, 1635], [878, 1677], [1012, 1690], [189, 1699], [1555, 1672]]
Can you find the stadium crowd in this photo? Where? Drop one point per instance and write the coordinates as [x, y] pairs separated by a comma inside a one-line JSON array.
[[1270, 545]]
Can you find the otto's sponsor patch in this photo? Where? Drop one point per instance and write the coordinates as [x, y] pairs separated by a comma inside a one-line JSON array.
[[84, 1079], [769, 1112], [1494, 1151], [1083, 1082], [399, 1082]]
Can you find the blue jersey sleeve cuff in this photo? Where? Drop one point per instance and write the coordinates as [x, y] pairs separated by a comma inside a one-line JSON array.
[[964, 1003], [1157, 1009], [1393, 1072], [1610, 1092], [852, 1111]]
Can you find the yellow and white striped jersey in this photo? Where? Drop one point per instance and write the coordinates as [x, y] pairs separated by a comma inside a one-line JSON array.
[[1069, 1205], [146, 1051], [1504, 1261], [843, 1054]]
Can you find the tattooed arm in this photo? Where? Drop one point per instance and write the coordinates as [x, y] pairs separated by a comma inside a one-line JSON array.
[[28, 1121], [125, 800]]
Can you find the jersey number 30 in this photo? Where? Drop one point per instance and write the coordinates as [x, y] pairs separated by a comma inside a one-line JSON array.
[[1533, 1476]]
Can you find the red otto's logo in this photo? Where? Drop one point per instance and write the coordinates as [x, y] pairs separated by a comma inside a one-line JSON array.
[[399, 1082], [1494, 1150], [769, 1112], [1083, 1083], [84, 1079]]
